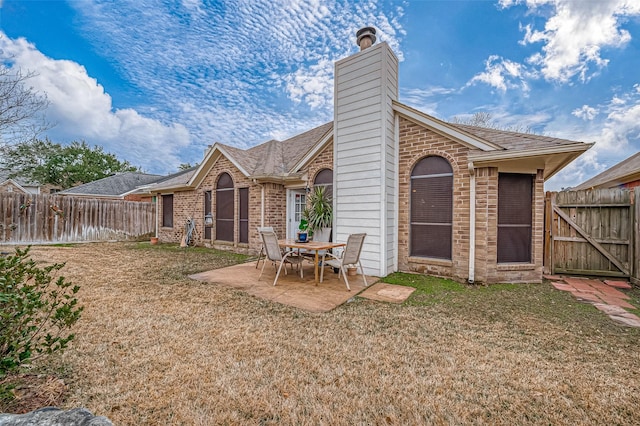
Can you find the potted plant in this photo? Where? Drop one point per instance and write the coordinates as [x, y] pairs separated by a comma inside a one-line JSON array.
[[303, 228], [320, 213]]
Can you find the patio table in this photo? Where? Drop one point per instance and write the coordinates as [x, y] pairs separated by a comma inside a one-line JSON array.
[[311, 245]]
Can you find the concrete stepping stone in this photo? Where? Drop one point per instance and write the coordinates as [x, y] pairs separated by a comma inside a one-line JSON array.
[[585, 295], [616, 301], [618, 284], [562, 286]]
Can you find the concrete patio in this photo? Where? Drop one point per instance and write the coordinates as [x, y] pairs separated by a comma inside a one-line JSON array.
[[291, 289]]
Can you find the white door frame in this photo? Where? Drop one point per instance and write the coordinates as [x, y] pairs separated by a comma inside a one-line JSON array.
[[292, 223]]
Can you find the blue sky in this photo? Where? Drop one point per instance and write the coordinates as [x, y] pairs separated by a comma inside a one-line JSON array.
[[156, 82]]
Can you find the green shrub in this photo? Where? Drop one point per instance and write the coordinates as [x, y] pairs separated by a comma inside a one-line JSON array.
[[37, 310]]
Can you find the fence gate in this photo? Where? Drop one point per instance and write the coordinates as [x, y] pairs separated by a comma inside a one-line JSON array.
[[590, 232]]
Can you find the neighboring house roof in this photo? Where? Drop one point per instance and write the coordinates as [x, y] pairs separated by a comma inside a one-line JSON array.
[[4, 176], [174, 181], [282, 160], [10, 184], [116, 186], [624, 172]]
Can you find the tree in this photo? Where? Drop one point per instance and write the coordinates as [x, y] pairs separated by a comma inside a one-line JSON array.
[[184, 166], [46, 162], [21, 107], [485, 119]]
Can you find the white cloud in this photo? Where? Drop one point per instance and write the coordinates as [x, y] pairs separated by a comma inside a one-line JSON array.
[[313, 85], [503, 74], [616, 138], [585, 112], [235, 72], [575, 34], [82, 110]]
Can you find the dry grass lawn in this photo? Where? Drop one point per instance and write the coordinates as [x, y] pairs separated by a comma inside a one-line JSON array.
[[155, 348]]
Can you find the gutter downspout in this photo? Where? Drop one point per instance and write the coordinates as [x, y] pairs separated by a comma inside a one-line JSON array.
[[262, 205], [472, 223], [157, 214]]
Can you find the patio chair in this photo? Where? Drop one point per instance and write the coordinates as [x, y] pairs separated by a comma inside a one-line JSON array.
[[350, 257], [261, 254], [273, 252]]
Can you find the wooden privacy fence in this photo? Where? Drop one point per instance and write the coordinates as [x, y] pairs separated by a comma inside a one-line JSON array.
[[593, 232], [27, 218]]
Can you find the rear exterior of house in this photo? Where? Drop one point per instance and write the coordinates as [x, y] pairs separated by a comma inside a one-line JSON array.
[[435, 198]]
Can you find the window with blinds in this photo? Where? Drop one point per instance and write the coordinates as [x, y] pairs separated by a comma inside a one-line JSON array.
[[515, 216], [243, 219], [325, 178], [431, 204], [224, 208], [207, 212], [167, 211]]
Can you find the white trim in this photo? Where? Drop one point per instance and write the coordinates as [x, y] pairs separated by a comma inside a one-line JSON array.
[[157, 196], [445, 128], [396, 200], [472, 223], [18, 186], [516, 154], [315, 150], [262, 205], [205, 165]]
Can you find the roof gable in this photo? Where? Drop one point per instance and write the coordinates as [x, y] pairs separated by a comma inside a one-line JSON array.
[[447, 129], [272, 159], [12, 183]]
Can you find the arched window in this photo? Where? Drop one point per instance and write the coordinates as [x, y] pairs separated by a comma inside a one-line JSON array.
[[224, 208], [325, 178], [431, 208]]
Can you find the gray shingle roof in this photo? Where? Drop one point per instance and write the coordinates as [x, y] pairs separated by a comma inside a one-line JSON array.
[[614, 175], [177, 179], [513, 140], [276, 158], [113, 186], [4, 176]]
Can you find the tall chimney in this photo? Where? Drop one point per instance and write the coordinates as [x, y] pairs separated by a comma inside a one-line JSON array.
[[366, 37], [365, 171]]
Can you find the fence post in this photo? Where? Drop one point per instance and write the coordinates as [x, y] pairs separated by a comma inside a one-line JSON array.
[[634, 265], [547, 263]]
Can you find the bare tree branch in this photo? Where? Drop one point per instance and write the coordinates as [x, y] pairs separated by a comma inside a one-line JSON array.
[[485, 119], [21, 107]]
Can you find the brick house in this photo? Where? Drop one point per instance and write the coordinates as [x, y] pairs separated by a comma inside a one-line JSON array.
[[24, 186], [433, 197], [625, 174]]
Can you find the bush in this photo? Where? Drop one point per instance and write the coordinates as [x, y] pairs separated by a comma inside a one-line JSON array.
[[37, 310]]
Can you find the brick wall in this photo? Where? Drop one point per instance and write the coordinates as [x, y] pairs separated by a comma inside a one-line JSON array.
[[191, 204], [10, 187], [417, 142], [324, 160], [528, 273]]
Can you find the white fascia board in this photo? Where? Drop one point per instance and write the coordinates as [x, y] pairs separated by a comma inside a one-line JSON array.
[[86, 195], [209, 160], [445, 129], [313, 152], [170, 189], [483, 157]]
